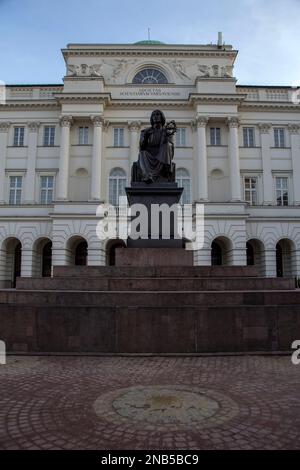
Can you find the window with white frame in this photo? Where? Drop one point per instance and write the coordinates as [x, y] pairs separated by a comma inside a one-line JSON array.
[[83, 135], [116, 185], [49, 136], [181, 137], [250, 190], [215, 136], [248, 136], [47, 188], [19, 133], [279, 140], [282, 190], [15, 189], [118, 137], [183, 180]]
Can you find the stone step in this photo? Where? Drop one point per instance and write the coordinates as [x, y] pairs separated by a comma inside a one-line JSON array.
[[157, 271], [149, 298], [153, 284], [180, 329]]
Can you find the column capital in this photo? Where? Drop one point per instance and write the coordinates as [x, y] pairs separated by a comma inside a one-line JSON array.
[[98, 120], [293, 128], [201, 121], [233, 122], [134, 126], [264, 127], [4, 126], [66, 121], [33, 126]]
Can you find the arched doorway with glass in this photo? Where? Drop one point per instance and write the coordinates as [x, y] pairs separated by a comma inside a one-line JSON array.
[[11, 262], [255, 255], [77, 251], [111, 247], [42, 258]]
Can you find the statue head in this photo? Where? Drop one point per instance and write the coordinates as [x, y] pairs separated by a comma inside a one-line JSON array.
[[155, 116]]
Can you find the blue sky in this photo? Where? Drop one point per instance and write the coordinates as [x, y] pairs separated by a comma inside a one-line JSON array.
[[266, 32]]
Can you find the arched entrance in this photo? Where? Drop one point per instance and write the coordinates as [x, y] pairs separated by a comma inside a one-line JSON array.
[[221, 252], [42, 260], [255, 255], [284, 258], [11, 262], [81, 252], [111, 251], [77, 248]]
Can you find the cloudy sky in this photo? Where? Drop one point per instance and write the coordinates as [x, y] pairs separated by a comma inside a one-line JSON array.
[[266, 33]]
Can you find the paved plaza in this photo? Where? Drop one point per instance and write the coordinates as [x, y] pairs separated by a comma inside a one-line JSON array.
[[182, 403]]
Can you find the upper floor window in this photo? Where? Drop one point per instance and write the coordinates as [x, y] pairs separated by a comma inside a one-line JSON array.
[[181, 137], [47, 186], [250, 190], [118, 137], [215, 136], [279, 137], [19, 133], [183, 180], [248, 136], [282, 194], [83, 135], [15, 189], [49, 136], [116, 185], [150, 75]]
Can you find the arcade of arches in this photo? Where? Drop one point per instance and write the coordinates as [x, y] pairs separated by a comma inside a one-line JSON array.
[[221, 253]]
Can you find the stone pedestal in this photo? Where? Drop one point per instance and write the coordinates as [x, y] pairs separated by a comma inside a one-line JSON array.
[[153, 257], [156, 199]]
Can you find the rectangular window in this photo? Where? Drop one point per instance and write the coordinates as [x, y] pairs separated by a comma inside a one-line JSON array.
[[282, 193], [215, 136], [248, 135], [15, 189], [19, 136], [49, 136], [47, 186], [118, 137], [181, 137], [83, 135], [250, 190], [279, 137]]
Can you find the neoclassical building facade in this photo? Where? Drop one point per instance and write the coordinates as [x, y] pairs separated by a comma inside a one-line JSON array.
[[66, 148]]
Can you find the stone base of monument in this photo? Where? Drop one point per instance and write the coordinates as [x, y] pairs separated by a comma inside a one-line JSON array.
[[164, 195], [154, 257], [150, 309]]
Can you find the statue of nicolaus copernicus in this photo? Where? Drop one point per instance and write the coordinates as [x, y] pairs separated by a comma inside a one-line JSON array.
[[156, 153]]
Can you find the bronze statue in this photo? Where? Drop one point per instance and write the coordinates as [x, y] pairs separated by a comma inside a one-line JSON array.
[[156, 153]]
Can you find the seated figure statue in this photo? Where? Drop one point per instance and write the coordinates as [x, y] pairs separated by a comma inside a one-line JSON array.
[[156, 153]]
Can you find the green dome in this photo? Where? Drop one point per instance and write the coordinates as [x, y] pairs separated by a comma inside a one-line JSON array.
[[148, 43]]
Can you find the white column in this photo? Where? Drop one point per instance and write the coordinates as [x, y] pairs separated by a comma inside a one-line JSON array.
[[96, 159], [201, 172], [29, 189], [266, 163], [63, 175], [134, 128], [4, 127], [295, 146], [234, 159]]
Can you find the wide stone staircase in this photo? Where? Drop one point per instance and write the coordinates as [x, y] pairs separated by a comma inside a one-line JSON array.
[[150, 309]]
